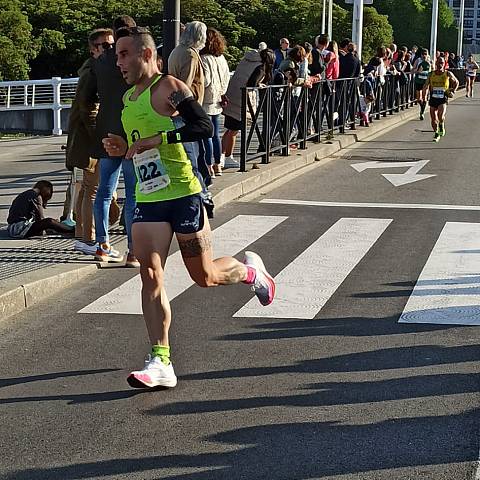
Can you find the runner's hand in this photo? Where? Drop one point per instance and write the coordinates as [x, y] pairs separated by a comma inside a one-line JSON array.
[[115, 145], [143, 144]]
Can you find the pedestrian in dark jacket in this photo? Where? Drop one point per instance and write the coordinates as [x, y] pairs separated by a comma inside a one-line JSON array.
[[111, 87]]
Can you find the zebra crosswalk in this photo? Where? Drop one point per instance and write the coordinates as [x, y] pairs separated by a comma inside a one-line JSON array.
[[447, 290]]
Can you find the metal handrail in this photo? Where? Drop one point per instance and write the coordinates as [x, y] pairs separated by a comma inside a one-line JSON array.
[[275, 119], [53, 94]]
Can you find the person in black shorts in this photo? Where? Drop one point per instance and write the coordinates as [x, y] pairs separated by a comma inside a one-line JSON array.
[[442, 84]]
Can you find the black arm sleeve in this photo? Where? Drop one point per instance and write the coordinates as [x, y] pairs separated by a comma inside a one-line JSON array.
[[197, 123]]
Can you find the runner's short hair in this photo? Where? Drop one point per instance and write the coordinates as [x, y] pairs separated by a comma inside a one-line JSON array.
[[142, 38]]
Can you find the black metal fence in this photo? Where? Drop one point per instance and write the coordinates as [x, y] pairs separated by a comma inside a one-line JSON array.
[[279, 119]]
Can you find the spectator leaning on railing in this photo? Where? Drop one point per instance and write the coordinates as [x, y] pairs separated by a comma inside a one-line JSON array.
[[254, 69]]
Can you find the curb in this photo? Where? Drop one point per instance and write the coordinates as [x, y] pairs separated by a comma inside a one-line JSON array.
[[24, 296], [28, 294]]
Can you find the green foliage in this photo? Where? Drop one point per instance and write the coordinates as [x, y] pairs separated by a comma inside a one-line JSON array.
[[16, 47], [376, 32], [411, 21], [50, 36]]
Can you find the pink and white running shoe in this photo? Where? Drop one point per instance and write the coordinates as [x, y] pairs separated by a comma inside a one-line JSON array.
[[264, 284], [154, 374]]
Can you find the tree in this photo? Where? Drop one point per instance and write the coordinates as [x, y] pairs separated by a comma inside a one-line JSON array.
[[377, 31], [16, 47], [417, 14]]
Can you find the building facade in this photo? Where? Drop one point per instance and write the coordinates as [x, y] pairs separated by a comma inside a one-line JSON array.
[[471, 23]]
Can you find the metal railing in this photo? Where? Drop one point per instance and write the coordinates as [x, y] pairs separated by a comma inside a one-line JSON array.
[[53, 94], [277, 119]]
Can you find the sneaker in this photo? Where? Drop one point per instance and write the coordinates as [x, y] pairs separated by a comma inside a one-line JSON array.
[[132, 261], [108, 255], [264, 285], [154, 374], [230, 162], [436, 137], [442, 131], [86, 248], [217, 169], [69, 222]]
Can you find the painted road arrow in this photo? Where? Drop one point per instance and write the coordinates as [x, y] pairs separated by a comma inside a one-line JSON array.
[[397, 179]]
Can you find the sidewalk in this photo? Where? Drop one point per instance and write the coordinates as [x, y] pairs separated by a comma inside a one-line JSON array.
[[35, 269]]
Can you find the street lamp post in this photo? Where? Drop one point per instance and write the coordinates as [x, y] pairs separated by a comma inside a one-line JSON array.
[[330, 18], [357, 25], [460, 28], [433, 33], [324, 14], [171, 29]]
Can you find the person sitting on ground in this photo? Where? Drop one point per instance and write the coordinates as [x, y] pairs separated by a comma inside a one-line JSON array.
[[26, 217]]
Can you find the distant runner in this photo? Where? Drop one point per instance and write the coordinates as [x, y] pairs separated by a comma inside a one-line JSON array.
[[471, 68], [422, 70], [442, 85]]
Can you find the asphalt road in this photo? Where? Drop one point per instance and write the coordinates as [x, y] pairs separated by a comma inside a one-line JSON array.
[[345, 393]]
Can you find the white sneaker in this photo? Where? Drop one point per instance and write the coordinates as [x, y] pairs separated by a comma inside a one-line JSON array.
[[230, 162], [85, 248], [154, 374], [264, 285]]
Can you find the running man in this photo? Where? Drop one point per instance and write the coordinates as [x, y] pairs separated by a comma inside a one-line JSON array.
[[422, 69], [471, 68], [442, 85], [159, 115]]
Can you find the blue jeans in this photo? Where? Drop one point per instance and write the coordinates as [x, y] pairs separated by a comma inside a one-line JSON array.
[[213, 146], [109, 175]]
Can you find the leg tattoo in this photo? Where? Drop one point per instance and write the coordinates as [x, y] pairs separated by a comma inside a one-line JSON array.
[[195, 246]]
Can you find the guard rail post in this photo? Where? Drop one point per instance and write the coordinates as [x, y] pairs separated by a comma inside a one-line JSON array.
[[56, 107], [267, 124], [286, 120], [243, 142]]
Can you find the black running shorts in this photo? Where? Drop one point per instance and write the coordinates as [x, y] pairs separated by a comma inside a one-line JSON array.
[[185, 215], [436, 102]]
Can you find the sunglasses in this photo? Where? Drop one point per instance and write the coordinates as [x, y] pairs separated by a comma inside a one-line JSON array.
[[104, 45]]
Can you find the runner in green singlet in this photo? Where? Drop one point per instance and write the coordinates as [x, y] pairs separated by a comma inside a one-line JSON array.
[[422, 69], [161, 119]]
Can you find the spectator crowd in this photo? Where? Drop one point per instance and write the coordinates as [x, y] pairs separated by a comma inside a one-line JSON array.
[[199, 62]]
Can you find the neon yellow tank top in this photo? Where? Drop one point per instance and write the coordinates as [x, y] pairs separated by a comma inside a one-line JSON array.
[[140, 120], [439, 84]]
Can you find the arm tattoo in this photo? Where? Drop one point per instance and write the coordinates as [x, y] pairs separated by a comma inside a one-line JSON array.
[[195, 246], [178, 96]]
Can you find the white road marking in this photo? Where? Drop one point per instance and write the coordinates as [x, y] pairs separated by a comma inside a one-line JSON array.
[[307, 283], [419, 206], [448, 289], [228, 239], [397, 179]]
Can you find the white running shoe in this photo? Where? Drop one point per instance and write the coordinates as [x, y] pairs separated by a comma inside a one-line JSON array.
[[154, 374], [230, 162], [85, 248], [222, 160], [264, 285]]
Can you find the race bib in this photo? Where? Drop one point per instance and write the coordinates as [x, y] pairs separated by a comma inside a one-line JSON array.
[[438, 92], [150, 170], [422, 75]]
